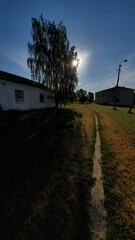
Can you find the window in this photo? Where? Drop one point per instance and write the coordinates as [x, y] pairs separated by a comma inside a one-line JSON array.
[[98, 95], [19, 96], [108, 95], [103, 95], [41, 97]]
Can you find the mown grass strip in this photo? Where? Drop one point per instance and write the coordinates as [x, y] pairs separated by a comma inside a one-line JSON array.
[[118, 228], [111, 198]]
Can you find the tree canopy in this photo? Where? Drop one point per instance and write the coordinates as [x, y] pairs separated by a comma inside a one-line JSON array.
[[51, 59], [90, 97], [83, 96]]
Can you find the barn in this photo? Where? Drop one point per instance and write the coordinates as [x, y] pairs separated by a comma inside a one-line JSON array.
[[18, 93], [125, 96]]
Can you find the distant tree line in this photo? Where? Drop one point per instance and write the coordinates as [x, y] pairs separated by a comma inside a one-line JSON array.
[[83, 96]]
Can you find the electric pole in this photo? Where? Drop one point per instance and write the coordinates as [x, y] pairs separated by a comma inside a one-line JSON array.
[[116, 87]]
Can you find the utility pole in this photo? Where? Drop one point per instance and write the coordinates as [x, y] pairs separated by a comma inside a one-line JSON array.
[[116, 87]]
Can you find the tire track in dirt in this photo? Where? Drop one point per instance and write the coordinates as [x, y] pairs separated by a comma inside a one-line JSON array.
[[98, 212]]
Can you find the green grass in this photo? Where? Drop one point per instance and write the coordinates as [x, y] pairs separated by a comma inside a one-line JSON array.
[[44, 178], [121, 115], [121, 225], [112, 200]]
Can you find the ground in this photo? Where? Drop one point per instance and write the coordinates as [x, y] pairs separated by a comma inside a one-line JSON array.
[[46, 166], [46, 172], [117, 130], [98, 212]]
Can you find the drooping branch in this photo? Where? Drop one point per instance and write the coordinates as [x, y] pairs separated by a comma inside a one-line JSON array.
[[51, 58]]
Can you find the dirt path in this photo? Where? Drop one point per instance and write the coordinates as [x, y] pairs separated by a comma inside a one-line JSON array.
[[98, 213]]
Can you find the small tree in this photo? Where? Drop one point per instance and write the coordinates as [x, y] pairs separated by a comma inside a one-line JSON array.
[[51, 59], [90, 97], [82, 95]]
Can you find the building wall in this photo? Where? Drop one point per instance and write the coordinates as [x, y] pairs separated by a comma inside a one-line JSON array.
[[104, 97], [124, 97], [31, 97]]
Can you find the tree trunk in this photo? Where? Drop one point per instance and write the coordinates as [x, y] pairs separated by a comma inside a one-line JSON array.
[[132, 105], [56, 102], [131, 108]]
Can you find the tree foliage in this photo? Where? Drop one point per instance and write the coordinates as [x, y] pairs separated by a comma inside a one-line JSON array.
[[90, 97], [83, 96], [51, 59]]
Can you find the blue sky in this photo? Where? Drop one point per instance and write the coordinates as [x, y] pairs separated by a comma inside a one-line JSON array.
[[103, 32]]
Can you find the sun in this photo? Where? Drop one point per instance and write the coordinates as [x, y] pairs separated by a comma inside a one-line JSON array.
[[74, 62]]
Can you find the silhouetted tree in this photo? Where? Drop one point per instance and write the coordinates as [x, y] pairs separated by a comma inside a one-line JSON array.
[[51, 59], [82, 95], [90, 97]]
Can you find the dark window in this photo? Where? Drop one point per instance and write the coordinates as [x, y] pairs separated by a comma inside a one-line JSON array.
[[117, 99], [19, 96], [103, 95], [41, 97], [98, 95], [108, 95]]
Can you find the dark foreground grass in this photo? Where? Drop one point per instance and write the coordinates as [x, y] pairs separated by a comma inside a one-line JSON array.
[[45, 179]]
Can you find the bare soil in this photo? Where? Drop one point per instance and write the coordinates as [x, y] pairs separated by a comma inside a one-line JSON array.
[[98, 213]]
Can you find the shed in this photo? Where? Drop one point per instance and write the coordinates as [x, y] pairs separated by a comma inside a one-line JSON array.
[[18, 93]]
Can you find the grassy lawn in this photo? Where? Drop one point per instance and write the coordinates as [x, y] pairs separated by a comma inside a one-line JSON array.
[[117, 130], [45, 173]]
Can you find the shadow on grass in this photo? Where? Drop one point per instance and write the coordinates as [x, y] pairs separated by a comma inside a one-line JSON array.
[[43, 178]]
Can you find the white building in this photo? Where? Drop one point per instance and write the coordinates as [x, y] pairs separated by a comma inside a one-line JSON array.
[[18, 93], [125, 96]]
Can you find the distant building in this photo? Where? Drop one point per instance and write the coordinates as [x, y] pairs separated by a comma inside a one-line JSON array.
[[125, 96], [18, 93]]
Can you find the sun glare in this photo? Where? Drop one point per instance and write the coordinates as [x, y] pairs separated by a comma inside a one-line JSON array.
[[74, 62], [84, 59]]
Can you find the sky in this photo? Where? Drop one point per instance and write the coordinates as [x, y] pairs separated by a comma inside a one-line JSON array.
[[103, 32]]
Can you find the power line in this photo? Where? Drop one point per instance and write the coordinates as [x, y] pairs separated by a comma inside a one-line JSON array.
[[98, 74], [130, 67], [102, 73]]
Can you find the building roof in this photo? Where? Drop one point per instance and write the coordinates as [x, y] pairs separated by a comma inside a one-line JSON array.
[[17, 79], [113, 89]]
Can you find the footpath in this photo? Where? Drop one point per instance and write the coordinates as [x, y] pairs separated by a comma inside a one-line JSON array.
[[98, 212]]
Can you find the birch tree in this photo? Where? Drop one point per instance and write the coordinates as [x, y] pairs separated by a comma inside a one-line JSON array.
[[52, 60]]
